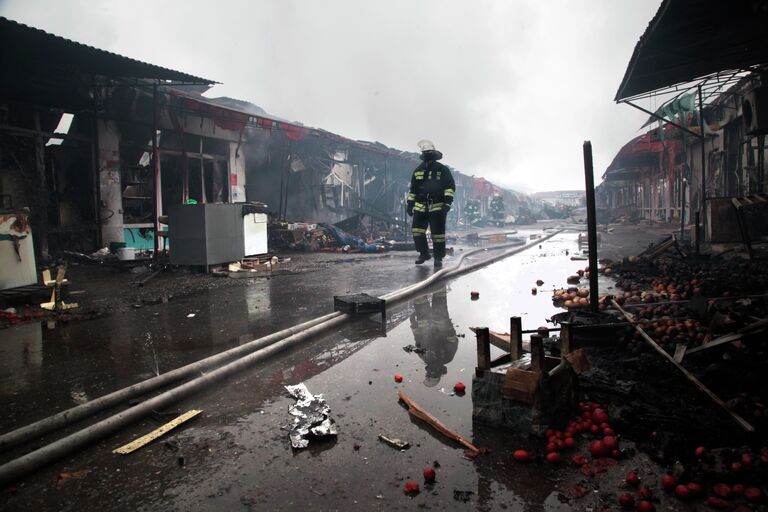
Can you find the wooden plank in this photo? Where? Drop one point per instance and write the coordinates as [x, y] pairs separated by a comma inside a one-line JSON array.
[[578, 360], [696, 382], [521, 385], [148, 438], [680, 350], [418, 412], [734, 336], [497, 339]]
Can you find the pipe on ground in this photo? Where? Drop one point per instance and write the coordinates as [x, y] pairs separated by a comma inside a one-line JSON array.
[[64, 418], [16, 468]]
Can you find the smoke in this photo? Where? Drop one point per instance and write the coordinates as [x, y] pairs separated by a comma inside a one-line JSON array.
[[507, 90]]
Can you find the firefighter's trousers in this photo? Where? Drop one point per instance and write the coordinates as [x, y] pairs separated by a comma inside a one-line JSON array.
[[435, 219]]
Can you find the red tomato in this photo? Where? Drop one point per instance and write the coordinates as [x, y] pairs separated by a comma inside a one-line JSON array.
[[411, 487], [521, 455], [645, 506], [668, 482], [626, 500], [682, 492]]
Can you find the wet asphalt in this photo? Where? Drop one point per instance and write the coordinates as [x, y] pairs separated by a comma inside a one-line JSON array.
[[236, 455]]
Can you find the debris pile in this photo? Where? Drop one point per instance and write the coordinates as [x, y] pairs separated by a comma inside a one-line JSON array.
[[321, 237]]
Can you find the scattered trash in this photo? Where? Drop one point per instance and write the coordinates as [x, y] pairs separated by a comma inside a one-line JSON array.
[[311, 417], [148, 438], [191, 315], [64, 476], [394, 442], [416, 350], [463, 496], [471, 454]]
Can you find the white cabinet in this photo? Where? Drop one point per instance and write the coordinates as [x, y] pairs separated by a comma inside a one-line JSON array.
[[255, 233]]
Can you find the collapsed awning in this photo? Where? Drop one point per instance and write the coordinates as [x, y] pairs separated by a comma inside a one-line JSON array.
[[653, 151], [691, 39]]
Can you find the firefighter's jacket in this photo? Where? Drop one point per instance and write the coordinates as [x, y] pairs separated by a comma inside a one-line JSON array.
[[432, 186]]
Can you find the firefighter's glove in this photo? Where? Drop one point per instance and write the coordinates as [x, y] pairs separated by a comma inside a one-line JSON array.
[[409, 210], [446, 207]]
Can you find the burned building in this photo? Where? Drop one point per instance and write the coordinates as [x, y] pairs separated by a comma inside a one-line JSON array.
[[100, 146]]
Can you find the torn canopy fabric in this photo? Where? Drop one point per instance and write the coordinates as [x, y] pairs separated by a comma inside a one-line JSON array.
[[311, 417]]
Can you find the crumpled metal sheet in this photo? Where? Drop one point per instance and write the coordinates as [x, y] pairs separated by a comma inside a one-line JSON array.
[[311, 417]]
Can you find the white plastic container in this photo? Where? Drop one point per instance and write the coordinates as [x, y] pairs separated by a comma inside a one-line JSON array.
[[126, 253]]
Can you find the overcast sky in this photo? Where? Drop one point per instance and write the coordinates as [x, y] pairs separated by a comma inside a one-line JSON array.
[[507, 90]]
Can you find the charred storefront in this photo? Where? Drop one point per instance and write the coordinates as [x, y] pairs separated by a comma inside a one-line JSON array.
[[702, 80]]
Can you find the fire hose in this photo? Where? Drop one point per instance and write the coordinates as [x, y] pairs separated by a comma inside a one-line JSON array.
[[247, 355]]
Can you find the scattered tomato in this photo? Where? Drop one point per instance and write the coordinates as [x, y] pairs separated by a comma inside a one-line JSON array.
[[521, 455], [411, 487], [668, 482], [626, 500]]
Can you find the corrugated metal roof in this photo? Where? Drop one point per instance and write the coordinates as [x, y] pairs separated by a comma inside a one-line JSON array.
[[691, 39], [22, 44]]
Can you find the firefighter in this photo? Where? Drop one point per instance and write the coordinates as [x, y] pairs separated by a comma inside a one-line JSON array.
[[429, 200]]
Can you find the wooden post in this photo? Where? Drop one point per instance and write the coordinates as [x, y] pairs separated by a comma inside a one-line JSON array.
[[591, 226], [566, 338], [537, 353], [515, 338], [483, 350]]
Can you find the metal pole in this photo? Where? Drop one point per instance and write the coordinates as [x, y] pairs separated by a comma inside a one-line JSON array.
[[591, 226], [156, 173], [683, 183], [95, 166], [698, 235], [703, 164]]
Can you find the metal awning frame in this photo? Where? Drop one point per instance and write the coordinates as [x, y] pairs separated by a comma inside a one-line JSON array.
[[708, 90]]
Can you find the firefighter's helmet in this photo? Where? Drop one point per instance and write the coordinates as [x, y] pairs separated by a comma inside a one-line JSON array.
[[425, 145]]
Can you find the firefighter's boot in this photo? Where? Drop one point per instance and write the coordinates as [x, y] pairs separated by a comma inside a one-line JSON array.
[[424, 256]]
